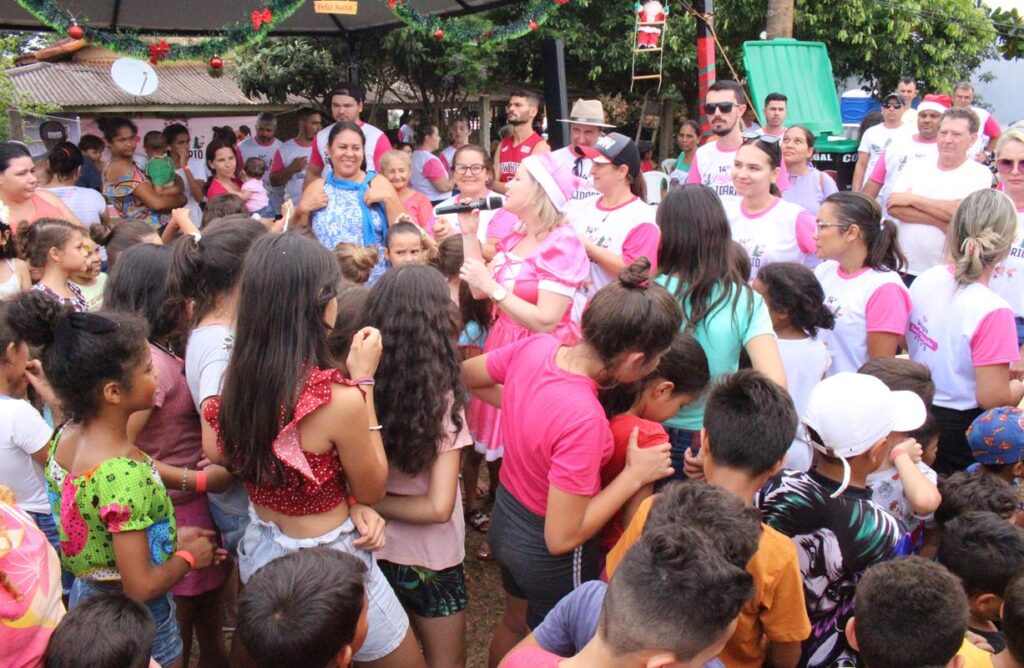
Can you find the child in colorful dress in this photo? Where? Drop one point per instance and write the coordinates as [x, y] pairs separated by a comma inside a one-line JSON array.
[[117, 527], [56, 248]]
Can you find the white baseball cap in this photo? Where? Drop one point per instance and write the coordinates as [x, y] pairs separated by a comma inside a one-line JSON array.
[[850, 412]]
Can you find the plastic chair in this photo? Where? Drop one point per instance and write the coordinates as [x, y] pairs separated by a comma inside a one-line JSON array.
[[668, 165], [656, 182]]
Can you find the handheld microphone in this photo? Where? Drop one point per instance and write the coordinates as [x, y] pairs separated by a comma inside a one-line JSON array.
[[484, 204]]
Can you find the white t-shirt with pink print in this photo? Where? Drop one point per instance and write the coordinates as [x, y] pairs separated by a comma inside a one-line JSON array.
[[1008, 277], [784, 232], [954, 329]]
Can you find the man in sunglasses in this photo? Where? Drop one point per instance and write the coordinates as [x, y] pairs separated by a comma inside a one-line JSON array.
[[903, 152], [963, 96], [712, 163], [877, 138], [927, 193]]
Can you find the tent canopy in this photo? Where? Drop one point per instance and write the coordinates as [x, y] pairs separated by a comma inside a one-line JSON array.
[[194, 17]]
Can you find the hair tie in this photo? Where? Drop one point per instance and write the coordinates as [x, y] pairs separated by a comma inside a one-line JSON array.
[[646, 283], [969, 246], [881, 224], [197, 236]]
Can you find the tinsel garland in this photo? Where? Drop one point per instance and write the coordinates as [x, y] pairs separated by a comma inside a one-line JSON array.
[[458, 30], [244, 32]]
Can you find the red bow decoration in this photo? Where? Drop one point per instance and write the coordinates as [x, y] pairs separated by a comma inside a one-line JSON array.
[[158, 52], [392, 3], [260, 18]]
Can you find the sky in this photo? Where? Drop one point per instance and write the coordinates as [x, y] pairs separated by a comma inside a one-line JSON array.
[[1007, 104]]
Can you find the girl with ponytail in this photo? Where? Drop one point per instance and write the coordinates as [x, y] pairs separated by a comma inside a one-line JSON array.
[[963, 331], [550, 505], [117, 526], [859, 274]]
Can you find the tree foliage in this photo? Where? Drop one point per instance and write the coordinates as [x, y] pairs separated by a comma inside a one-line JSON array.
[[13, 44], [1010, 29]]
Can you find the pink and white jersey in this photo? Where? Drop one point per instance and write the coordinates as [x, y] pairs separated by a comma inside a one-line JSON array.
[[377, 144], [447, 157], [867, 301], [250, 148], [784, 232], [1008, 277], [955, 329], [896, 157], [923, 244], [627, 230], [875, 140], [988, 129], [290, 150], [427, 167], [713, 167]]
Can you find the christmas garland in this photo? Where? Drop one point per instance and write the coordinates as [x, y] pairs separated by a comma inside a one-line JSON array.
[[244, 32], [535, 13]]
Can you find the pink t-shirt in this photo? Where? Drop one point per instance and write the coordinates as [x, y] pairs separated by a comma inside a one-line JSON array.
[[532, 657], [555, 430], [216, 188], [434, 169], [172, 434], [433, 546], [419, 207], [258, 200]]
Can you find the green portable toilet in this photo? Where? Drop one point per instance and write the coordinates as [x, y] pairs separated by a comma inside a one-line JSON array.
[[802, 72]]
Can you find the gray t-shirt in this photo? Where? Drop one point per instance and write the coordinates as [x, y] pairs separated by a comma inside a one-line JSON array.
[[206, 360]]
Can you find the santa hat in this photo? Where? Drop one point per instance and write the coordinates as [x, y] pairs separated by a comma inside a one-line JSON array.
[[938, 103]]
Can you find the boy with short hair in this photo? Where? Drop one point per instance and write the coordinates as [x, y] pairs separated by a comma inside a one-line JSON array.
[[404, 244], [1013, 625], [103, 630], [965, 492], [985, 552], [996, 438], [828, 512], [305, 610], [674, 602], [908, 613], [749, 422]]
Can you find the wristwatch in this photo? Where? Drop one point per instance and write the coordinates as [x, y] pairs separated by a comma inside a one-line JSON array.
[[499, 294]]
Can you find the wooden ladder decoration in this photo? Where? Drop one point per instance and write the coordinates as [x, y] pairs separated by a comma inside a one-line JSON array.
[[649, 32]]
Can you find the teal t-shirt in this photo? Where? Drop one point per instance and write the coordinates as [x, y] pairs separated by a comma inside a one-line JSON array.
[[722, 336]]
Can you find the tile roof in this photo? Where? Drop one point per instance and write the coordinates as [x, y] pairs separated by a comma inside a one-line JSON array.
[[87, 84]]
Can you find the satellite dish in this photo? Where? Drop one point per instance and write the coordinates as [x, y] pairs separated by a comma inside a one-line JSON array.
[[134, 76]]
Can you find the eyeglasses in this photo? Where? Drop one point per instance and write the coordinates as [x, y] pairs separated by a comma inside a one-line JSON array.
[[472, 169], [724, 107], [1005, 166], [824, 226], [891, 106], [752, 135]]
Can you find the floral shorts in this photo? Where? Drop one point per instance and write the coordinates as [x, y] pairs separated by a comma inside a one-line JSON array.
[[425, 592]]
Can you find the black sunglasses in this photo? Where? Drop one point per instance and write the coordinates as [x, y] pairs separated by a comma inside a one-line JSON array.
[[724, 107]]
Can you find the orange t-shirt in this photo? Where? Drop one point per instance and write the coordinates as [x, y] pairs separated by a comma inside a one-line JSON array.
[[776, 612]]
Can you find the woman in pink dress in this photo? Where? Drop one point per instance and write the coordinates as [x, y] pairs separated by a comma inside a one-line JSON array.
[[538, 265]]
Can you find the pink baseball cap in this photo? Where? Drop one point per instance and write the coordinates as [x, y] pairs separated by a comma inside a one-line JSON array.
[[556, 179]]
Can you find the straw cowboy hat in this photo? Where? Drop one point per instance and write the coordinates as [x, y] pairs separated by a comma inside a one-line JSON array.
[[587, 112]]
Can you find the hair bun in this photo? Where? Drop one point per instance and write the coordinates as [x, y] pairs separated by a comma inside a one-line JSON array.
[[101, 233], [34, 316], [637, 274]]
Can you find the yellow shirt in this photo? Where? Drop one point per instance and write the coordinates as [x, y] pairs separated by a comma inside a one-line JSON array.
[[776, 612], [974, 657]]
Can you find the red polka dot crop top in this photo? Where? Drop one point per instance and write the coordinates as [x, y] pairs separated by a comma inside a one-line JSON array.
[[314, 482]]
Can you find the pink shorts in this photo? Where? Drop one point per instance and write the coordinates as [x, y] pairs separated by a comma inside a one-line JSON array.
[[196, 513]]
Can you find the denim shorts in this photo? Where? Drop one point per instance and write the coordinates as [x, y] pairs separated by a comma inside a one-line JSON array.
[[230, 511], [167, 645], [263, 542]]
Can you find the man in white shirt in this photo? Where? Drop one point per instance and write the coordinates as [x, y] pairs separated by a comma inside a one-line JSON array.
[[775, 107], [988, 127], [908, 148], [346, 105], [288, 168], [712, 163], [926, 195], [877, 138], [264, 145], [586, 122], [907, 89]]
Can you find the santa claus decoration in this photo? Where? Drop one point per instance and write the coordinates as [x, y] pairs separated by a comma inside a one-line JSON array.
[[648, 13]]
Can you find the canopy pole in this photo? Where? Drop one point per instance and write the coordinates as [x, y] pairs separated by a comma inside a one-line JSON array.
[[552, 61], [705, 57]]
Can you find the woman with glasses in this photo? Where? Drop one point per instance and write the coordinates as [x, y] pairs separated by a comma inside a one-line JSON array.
[[768, 227], [808, 187], [859, 273], [1008, 277], [470, 170]]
